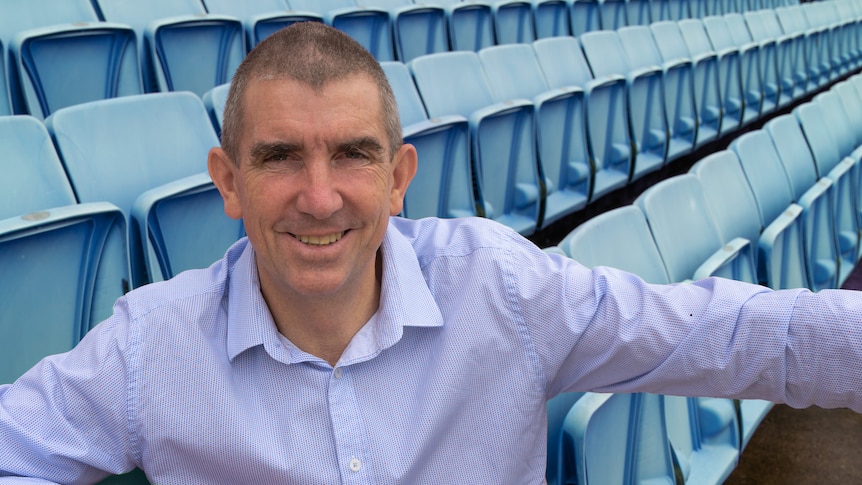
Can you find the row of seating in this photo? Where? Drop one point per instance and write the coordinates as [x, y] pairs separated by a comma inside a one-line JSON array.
[[779, 207], [527, 134], [63, 52]]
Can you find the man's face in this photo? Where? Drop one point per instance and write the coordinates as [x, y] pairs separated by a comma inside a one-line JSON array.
[[315, 184]]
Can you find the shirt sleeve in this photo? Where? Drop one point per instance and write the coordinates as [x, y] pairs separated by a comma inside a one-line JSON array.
[[65, 420], [607, 330]]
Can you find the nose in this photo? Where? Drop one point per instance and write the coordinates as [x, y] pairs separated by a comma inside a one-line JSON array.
[[318, 196]]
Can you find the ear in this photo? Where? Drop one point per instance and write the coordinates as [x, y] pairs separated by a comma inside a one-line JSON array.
[[404, 166], [223, 172]]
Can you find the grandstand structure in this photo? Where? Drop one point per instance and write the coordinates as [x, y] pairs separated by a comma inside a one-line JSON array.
[[676, 139]]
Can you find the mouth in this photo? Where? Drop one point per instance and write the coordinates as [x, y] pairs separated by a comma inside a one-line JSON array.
[[324, 240]]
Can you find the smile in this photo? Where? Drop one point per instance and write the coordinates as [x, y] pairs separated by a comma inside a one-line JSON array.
[[320, 240]]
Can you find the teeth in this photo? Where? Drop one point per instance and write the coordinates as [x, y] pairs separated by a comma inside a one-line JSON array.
[[320, 240]]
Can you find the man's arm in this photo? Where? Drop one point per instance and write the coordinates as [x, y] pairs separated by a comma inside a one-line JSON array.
[[66, 419]]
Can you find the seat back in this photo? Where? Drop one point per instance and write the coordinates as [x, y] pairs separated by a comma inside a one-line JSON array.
[[370, 26], [619, 238], [262, 18], [721, 37], [613, 14], [765, 173], [793, 151], [585, 16], [821, 140], [183, 48], [215, 100], [513, 21], [33, 178], [471, 25], [63, 268], [552, 18], [116, 150]]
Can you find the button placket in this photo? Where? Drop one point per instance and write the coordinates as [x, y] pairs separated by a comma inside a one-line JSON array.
[[347, 426]]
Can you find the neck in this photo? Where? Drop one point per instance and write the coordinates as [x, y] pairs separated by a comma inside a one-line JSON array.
[[323, 326]]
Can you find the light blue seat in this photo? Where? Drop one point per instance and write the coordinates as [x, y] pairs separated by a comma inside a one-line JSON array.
[[551, 18], [748, 62], [730, 80], [369, 26], [215, 100], [60, 55], [605, 110], [618, 438], [678, 88], [781, 52], [827, 142], [823, 19], [613, 14], [701, 8], [707, 93], [619, 238], [687, 236], [660, 10], [444, 185], [792, 20], [559, 466], [513, 21], [679, 9], [417, 29], [182, 48], [147, 155], [471, 25], [798, 64], [782, 261], [814, 195], [767, 60], [261, 18], [847, 41], [638, 12], [585, 16], [63, 268], [645, 93], [513, 72], [851, 100], [502, 137]]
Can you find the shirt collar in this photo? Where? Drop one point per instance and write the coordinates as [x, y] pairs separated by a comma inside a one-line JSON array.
[[405, 301]]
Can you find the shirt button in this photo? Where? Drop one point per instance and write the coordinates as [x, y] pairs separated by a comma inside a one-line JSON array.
[[337, 372], [355, 464]]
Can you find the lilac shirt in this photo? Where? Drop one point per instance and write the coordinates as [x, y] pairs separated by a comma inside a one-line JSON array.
[[447, 383]]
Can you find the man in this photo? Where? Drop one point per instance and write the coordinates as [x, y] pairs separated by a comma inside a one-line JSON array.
[[337, 345]]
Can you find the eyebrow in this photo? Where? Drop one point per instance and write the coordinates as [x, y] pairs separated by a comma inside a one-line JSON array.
[[365, 143], [264, 150]]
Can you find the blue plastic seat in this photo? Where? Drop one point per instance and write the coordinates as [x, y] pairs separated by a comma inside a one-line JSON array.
[[559, 466], [748, 59], [687, 236], [417, 29], [471, 25], [182, 47], [638, 12], [551, 18], [679, 9], [618, 438], [585, 16], [660, 10], [513, 21], [851, 100], [60, 55], [764, 29], [701, 8], [826, 141], [513, 72], [767, 60], [605, 110], [822, 17], [261, 18], [847, 41], [503, 149], [814, 195], [613, 14], [792, 20], [730, 80], [707, 93], [214, 101], [370, 26], [645, 93], [619, 238], [795, 55], [678, 88], [444, 185], [147, 155], [751, 197], [63, 268]]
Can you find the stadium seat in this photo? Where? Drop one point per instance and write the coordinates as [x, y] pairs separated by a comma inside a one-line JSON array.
[[503, 144], [606, 111], [471, 25], [147, 155], [370, 26], [585, 16], [638, 12], [417, 29], [780, 51], [678, 88], [767, 57], [823, 18], [705, 438], [182, 47], [843, 173], [606, 55], [748, 63], [513, 21], [687, 236], [813, 195], [444, 184], [791, 54], [513, 72], [559, 467], [551, 18], [613, 14], [261, 18], [730, 80], [59, 54], [707, 93], [792, 21], [214, 100]]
